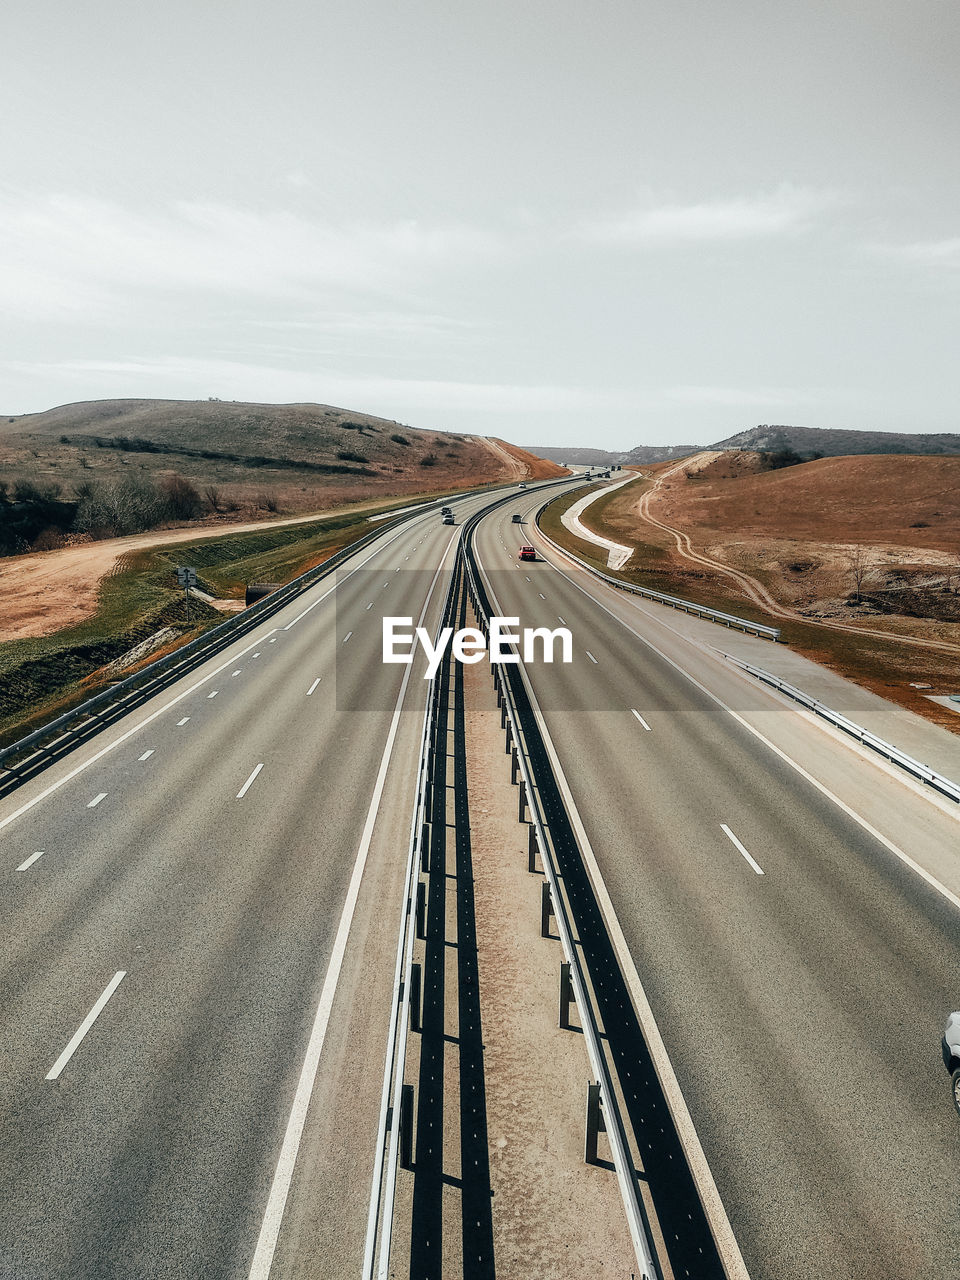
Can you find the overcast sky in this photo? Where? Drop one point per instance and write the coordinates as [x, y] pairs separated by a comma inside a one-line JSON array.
[[609, 223]]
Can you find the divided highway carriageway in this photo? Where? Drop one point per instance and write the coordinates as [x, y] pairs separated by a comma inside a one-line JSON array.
[[198, 939]]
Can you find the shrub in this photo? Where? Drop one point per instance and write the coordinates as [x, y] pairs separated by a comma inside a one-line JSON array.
[[28, 491], [183, 500], [131, 505], [397, 438], [348, 455], [429, 460], [49, 539]]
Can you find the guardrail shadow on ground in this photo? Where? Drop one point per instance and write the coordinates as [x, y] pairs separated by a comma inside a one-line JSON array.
[[451, 865]]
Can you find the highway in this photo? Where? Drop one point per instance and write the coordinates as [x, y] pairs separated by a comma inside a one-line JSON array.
[[169, 949], [199, 927], [793, 971]]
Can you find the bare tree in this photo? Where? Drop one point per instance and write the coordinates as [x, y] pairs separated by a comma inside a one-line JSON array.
[[858, 565]]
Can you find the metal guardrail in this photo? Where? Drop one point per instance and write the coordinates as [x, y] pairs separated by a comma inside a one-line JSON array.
[[674, 602], [379, 1237], [91, 715], [615, 1127], [868, 739], [379, 1234]]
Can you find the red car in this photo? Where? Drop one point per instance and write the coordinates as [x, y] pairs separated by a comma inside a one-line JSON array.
[[527, 553]]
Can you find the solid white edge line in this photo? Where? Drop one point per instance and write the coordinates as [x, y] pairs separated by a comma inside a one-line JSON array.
[[313, 686], [782, 755], [641, 719], [92, 804], [85, 1025], [246, 786], [283, 1177], [30, 861], [723, 1235], [733, 839]]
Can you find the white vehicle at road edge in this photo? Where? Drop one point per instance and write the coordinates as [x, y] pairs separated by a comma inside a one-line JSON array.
[[951, 1054]]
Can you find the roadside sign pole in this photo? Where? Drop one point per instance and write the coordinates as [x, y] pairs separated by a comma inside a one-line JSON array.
[[186, 578]]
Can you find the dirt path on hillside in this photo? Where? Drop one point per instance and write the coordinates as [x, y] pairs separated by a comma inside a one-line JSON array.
[[517, 469], [44, 591], [754, 589]]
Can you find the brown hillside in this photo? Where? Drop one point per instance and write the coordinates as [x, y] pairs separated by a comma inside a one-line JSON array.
[[911, 501], [253, 460]]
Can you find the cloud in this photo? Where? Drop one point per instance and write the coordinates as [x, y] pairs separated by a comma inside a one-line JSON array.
[[786, 211], [63, 254], [745, 397], [922, 253]]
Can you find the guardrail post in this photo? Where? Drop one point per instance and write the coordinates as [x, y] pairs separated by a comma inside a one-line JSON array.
[[503, 714], [416, 995], [507, 739], [595, 1124], [566, 995], [546, 909], [425, 847], [523, 801], [421, 909], [514, 768], [532, 850], [406, 1126]]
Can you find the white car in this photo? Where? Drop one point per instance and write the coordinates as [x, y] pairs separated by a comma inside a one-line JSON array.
[[951, 1054]]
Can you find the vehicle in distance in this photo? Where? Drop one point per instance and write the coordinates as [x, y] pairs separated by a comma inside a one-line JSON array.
[[529, 553], [521, 485], [447, 517], [951, 1054], [517, 518]]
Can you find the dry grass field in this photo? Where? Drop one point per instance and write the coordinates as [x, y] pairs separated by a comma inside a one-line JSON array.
[[857, 558]]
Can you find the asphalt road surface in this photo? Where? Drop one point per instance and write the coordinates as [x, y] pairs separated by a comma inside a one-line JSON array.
[[797, 969]]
